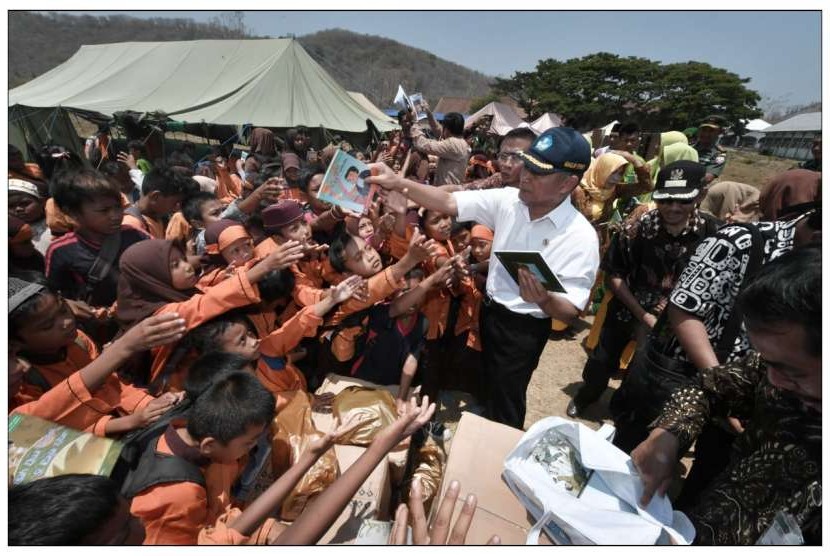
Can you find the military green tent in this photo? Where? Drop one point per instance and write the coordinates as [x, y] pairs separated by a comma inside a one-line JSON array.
[[270, 83]]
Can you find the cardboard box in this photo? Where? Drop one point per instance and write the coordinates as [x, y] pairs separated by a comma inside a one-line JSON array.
[[334, 384], [476, 460], [371, 501]]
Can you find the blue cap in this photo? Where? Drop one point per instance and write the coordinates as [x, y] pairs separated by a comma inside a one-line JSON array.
[[559, 149]]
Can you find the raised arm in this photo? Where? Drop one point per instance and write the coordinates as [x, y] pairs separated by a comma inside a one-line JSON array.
[[431, 198]]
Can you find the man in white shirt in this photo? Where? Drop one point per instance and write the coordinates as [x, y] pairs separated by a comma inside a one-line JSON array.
[[536, 216]]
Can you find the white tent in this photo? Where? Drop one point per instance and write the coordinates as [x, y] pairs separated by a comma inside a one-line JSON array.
[[504, 118], [545, 122], [371, 108], [268, 83], [756, 125]]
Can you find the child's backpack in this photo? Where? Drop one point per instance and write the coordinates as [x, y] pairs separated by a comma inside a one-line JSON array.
[[139, 467]]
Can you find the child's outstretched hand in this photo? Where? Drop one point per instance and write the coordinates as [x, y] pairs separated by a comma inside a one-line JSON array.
[[346, 289], [336, 432], [156, 408], [420, 248], [441, 278], [411, 417], [439, 533], [152, 332], [285, 255]]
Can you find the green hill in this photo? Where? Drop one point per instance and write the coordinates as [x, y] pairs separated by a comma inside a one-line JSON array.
[[372, 65]]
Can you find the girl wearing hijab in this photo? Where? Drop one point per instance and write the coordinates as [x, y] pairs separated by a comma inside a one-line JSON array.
[[156, 278], [600, 187], [229, 248], [787, 190]]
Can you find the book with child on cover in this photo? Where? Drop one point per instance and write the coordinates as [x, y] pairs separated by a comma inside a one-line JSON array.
[[343, 184], [533, 262]]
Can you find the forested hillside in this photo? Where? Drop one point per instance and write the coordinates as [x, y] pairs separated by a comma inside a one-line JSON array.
[[372, 65]]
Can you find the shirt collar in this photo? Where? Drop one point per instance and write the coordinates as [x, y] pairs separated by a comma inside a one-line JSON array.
[[559, 216], [181, 449]]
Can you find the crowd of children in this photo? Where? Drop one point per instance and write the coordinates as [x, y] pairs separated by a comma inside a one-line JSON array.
[[202, 294]]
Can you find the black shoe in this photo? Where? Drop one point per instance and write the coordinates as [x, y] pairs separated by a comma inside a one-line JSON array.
[[573, 410]]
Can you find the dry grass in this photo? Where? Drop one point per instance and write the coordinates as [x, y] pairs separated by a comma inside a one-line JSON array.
[[751, 167]]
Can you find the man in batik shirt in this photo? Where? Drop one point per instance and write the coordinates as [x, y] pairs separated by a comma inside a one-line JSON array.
[[775, 465], [642, 264]]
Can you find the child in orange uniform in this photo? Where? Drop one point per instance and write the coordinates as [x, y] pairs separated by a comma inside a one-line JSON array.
[[156, 278], [81, 391]]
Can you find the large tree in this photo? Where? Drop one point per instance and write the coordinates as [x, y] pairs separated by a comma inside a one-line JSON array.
[[595, 89]]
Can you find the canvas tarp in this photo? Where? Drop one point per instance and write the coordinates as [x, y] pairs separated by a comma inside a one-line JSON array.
[[30, 128], [268, 83], [504, 118], [545, 122], [369, 107]]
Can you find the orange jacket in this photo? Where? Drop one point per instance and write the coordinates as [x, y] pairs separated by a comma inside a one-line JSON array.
[[68, 403], [200, 308], [436, 306], [274, 370], [146, 224], [114, 398], [186, 513], [178, 228], [380, 286]]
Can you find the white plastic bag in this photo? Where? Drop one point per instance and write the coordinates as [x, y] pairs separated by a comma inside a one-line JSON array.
[[604, 509]]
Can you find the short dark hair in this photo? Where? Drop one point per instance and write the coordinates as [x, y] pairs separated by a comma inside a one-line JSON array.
[[458, 227], [167, 182], [26, 310], [337, 250], [787, 290], [192, 206], [73, 188], [62, 510], [135, 144], [229, 406], [352, 169], [179, 158], [211, 367], [519, 133], [277, 284], [454, 122], [202, 339], [629, 128]]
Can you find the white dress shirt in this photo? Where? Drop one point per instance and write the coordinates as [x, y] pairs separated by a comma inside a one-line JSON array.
[[564, 237]]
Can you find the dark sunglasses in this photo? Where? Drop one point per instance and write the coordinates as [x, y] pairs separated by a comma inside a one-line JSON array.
[[678, 201]]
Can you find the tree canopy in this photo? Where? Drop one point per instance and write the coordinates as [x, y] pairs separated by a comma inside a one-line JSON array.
[[595, 89]]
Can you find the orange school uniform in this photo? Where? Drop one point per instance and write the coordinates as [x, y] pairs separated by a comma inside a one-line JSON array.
[[186, 513], [436, 307], [114, 398], [145, 224], [200, 308], [274, 370], [178, 228], [68, 403]]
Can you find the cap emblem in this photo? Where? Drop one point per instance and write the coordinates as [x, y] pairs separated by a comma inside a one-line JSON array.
[[544, 143]]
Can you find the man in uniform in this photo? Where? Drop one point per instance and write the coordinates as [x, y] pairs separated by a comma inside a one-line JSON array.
[[709, 153]]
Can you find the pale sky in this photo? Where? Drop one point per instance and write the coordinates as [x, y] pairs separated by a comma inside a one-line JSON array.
[[779, 50]]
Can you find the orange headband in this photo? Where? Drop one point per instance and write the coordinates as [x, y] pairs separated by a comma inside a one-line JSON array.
[[481, 232], [226, 237]]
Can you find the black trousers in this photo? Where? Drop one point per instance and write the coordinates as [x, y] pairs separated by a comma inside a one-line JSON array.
[[604, 361], [512, 344]]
